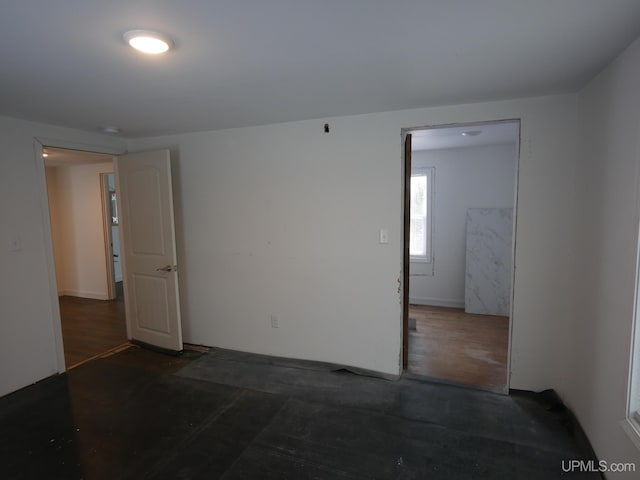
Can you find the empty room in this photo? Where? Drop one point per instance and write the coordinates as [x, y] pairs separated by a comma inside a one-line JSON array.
[[463, 194], [273, 292]]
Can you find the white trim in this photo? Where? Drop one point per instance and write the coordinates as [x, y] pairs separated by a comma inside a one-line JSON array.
[[83, 294], [82, 147], [430, 173], [422, 269], [56, 324], [631, 424], [632, 429], [514, 244], [437, 302]]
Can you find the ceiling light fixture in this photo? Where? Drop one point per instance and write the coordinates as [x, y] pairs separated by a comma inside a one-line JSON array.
[[148, 41], [45, 154], [471, 133]]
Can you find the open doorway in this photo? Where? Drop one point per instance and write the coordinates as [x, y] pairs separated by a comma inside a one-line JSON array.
[[461, 183], [80, 189]]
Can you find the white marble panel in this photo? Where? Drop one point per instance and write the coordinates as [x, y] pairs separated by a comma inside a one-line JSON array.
[[488, 262]]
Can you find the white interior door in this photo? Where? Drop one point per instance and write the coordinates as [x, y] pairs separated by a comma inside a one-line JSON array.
[[149, 249]]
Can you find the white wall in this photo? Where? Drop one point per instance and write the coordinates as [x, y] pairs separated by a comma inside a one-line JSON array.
[[472, 177], [78, 229], [606, 224], [27, 335], [57, 226], [284, 219]]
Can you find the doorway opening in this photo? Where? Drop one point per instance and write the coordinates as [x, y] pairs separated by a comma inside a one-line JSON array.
[[147, 232], [85, 238], [460, 223]]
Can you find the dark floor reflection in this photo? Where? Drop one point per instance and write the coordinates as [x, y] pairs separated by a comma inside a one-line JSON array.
[[143, 415]]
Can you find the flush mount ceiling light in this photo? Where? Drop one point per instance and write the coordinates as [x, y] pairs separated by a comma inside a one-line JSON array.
[[471, 133], [110, 130], [148, 41]]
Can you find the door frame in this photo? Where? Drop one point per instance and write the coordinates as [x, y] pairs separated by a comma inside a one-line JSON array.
[[406, 233], [406, 199], [39, 144], [108, 235]]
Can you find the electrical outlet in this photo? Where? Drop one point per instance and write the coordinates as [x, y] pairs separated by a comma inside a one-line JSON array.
[[275, 321]]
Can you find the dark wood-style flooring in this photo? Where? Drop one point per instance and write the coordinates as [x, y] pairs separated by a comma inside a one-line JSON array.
[[141, 415], [91, 327], [449, 344]]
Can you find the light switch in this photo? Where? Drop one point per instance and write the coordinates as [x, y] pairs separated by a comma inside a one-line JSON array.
[[384, 236]]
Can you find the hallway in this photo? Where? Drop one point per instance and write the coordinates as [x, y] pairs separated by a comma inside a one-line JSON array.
[[91, 327]]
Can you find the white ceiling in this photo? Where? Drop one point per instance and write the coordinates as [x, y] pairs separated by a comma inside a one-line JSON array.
[[452, 137], [251, 62]]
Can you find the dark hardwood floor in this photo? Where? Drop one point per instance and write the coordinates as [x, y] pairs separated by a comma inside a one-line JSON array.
[[91, 327], [449, 344]]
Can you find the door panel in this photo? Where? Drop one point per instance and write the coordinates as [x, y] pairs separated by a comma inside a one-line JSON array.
[[147, 236], [153, 315], [149, 249]]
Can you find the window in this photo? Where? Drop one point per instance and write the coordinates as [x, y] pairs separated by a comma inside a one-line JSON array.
[[632, 422], [420, 243]]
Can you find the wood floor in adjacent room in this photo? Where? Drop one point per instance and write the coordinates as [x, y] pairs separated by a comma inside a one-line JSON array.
[[449, 344], [91, 327]]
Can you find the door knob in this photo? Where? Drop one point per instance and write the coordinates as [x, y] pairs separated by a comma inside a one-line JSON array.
[[168, 268]]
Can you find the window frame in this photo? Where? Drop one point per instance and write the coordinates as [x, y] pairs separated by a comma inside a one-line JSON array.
[[631, 424], [428, 172]]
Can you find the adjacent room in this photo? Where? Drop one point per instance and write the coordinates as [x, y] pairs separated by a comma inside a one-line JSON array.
[[463, 191], [82, 203]]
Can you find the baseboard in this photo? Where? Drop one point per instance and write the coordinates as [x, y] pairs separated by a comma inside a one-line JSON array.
[[437, 302], [81, 294], [303, 363]]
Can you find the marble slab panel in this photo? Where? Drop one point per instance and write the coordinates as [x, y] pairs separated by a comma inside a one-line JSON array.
[[488, 261]]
